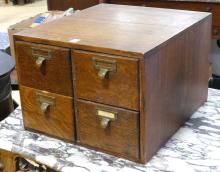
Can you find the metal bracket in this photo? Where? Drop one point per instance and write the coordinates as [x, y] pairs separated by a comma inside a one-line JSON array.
[[106, 117], [45, 102], [40, 56], [104, 66]]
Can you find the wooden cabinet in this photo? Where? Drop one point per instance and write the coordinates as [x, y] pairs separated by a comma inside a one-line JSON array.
[[60, 4], [76, 4], [137, 75], [129, 2], [194, 6], [209, 6]]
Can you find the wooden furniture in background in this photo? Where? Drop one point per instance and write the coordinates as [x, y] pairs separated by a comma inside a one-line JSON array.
[[206, 6], [133, 82], [76, 4], [211, 6]]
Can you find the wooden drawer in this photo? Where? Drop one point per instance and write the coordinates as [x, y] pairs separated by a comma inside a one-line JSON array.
[[55, 119], [120, 136], [52, 74], [119, 87], [194, 6]]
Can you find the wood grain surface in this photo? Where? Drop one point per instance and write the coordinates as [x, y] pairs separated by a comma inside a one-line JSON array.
[[58, 121], [120, 137], [119, 88], [174, 86], [194, 6], [172, 4], [114, 29], [55, 74]]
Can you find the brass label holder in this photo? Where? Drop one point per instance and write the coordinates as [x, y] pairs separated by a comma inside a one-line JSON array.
[[40, 56], [104, 66], [45, 102], [106, 117]]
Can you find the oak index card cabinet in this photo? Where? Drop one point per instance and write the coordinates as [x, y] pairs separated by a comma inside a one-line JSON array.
[[115, 78]]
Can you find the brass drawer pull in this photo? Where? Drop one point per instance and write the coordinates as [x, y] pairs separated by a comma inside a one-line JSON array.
[[104, 66], [102, 73], [106, 117], [44, 107], [105, 122], [40, 61], [40, 56], [45, 102]]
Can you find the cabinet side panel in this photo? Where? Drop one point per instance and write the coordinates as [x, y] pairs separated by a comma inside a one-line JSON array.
[[175, 84]]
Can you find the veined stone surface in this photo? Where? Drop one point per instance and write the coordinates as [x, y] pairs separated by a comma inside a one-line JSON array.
[[194, 148]]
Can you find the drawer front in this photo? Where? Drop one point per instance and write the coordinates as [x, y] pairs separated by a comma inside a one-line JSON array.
[[110, 129], [107, 79], [44, 67], [194, 6], [48, 113]]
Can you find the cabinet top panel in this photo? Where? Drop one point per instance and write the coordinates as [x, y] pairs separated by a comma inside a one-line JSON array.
[[115, 29]]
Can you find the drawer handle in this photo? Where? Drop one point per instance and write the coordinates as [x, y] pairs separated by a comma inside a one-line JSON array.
[[45, 102], [103, 73], [40, 56], [44, 107], [106, 117], [40, 61], [104, 66], [105, 122]]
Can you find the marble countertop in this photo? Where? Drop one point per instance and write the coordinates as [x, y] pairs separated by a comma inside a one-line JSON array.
[[194, 148]]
